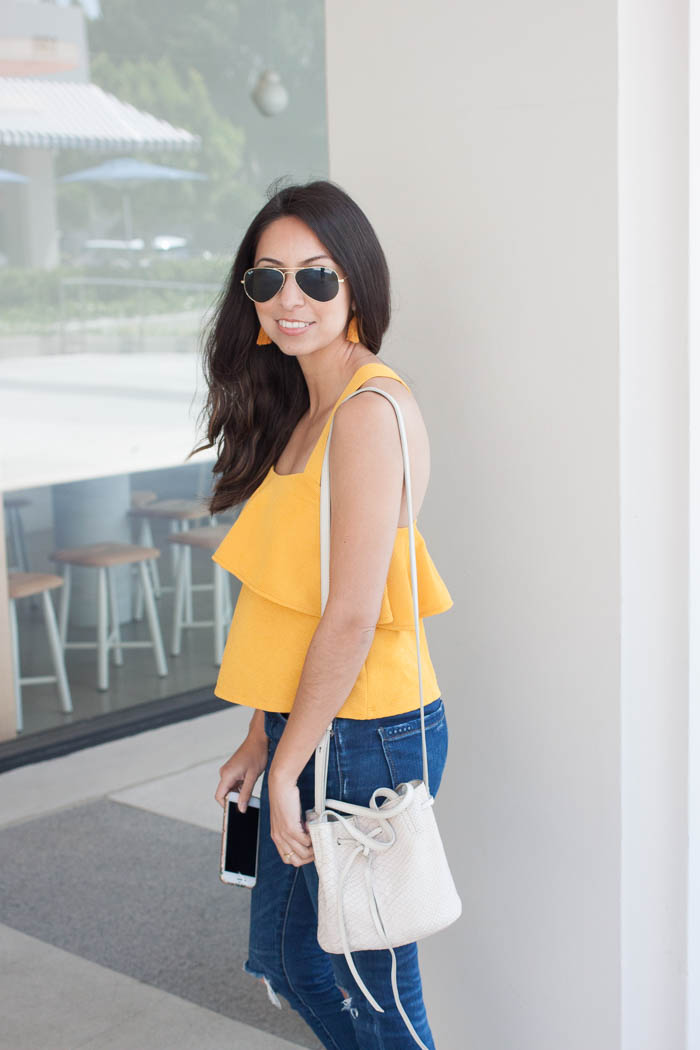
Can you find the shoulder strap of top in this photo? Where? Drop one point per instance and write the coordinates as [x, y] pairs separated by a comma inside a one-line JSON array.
[[369, 371]]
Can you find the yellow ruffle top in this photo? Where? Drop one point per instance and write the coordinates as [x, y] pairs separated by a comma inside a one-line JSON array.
[[274, 549]]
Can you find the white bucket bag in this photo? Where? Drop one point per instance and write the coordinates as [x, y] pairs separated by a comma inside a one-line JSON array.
[[383, 875]]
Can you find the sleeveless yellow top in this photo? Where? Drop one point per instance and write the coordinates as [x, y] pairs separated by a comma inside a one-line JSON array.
[[274, 549]]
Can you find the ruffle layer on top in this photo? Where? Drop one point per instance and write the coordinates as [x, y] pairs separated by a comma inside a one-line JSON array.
[[274, 548]]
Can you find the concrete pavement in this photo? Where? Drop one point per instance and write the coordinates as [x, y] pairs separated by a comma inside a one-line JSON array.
[[115, 931]]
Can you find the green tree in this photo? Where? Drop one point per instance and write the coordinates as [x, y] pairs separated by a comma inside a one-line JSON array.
[[194, 66], [230, 42], [212, 36]]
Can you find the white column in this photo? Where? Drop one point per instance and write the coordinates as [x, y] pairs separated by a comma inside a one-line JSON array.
[[693, 983], [36, 229], [654, 538]]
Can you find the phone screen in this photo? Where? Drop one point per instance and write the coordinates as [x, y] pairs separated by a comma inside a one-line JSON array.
[[241, 839]]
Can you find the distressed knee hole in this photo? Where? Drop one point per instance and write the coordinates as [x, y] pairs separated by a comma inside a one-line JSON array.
[[347, 1004], [271, 993]]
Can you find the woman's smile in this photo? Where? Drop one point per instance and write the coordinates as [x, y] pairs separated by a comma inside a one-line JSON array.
[[293, 327]]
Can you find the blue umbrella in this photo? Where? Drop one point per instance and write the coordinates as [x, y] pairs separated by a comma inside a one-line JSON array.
[[130, 170], [11, 176]]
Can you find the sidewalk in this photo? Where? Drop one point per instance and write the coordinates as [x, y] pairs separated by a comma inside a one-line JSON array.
[[115, 930]]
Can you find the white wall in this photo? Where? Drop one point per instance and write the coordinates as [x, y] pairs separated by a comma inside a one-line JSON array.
[[482, 141]]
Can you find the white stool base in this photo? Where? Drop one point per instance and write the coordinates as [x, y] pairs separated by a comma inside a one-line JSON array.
[[59, 677], [109, 635]]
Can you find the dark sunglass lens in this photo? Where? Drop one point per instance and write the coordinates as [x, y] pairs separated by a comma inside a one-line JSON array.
[[318, 282], [262, 283]]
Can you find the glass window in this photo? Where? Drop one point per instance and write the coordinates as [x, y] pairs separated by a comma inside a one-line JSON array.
[[121, 206]]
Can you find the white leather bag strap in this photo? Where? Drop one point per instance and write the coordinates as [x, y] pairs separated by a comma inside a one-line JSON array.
[[321, 760]]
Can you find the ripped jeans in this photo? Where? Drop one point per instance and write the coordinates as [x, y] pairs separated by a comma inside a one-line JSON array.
[[283, 948]]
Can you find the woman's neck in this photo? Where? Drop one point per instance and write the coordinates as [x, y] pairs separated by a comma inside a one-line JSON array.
[[326, 377]]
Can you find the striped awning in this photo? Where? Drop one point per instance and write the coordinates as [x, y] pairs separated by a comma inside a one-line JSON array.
[[65, 114]]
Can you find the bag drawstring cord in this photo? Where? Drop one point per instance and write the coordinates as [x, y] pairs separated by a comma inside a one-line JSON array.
[[368, 845]]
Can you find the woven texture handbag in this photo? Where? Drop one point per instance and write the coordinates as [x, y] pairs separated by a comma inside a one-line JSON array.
[[383, 875]]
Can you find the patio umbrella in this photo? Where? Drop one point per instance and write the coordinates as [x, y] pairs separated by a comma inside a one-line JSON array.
[[129, 170], [11, 176]]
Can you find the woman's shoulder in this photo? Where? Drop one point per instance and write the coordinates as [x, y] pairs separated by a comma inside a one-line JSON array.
[[365, 408], [392, 382], [394, 385], [374, 418]]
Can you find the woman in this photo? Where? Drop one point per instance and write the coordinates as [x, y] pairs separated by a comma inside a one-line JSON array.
[[297, 328]]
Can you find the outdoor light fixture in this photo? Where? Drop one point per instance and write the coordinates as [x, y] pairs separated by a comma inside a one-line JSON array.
[[269, 94]]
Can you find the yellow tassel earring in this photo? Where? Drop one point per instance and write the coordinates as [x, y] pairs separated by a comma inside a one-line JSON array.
[[263, 338], [352, 334]]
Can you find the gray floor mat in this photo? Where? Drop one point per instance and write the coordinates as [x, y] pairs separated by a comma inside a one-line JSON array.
[[140, 894]]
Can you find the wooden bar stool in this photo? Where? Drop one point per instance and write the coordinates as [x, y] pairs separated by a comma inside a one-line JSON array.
[[206, 537], [178, 513], [105, 557], [140, 497], [21, 585]]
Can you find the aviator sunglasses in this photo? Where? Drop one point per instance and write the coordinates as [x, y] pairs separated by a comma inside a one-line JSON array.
[[318, 282]]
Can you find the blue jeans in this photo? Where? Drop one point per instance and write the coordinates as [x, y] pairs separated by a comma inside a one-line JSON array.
[[283, 947]]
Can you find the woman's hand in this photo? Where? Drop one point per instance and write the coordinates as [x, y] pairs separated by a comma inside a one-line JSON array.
[[287, 831], [243, 768]]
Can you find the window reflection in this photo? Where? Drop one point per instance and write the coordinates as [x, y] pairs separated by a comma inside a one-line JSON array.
[[133, 152]]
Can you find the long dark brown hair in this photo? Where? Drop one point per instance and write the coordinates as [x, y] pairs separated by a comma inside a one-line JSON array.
[[257, 394]]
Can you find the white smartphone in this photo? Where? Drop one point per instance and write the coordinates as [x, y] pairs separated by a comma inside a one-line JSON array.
[[239, 841]]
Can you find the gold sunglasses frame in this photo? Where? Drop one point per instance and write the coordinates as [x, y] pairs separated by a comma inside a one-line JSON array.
[[292, 269]]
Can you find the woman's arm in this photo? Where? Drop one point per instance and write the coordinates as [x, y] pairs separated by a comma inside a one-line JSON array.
[[256, 726], [366, 486], [334, 659], [245, 765]]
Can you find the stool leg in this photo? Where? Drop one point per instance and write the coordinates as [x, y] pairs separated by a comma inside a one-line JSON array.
[[228, 607], [152, 614], [175, 549], [135, 589], [189, 612], [152, 565], [114, 608], [147, 541], [57, 654], [180, 584], [218, 592], [187, 555], [138, 604], [102, 649], [14, 634], [138, 597], [65, 602]]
